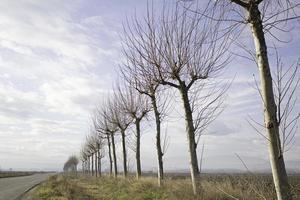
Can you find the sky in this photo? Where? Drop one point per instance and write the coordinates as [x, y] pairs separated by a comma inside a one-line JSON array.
[[58, 59]]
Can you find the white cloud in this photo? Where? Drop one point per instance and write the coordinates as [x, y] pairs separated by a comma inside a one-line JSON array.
[[55, 65], [48, 83]]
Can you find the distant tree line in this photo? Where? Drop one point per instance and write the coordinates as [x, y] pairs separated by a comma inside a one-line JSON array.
[[71, 164]]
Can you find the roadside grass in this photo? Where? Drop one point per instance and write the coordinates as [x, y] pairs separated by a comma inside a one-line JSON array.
[[4, 174], [213, 187]]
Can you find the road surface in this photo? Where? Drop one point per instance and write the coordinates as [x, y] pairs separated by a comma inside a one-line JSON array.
[[14, 188]]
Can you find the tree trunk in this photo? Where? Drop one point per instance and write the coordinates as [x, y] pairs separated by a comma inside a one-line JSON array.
[[190, 137], [270, 117], [76, 170], [82, 166], [90, 171], [124, 152], [88, 165], [160, 174], [138, 151], [96, 163], [114, 155], [92, 164], [99, 163], [109, 155], [85, 167]]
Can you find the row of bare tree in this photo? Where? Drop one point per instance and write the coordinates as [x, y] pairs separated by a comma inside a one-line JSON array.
[[184, 48], [174, 51]]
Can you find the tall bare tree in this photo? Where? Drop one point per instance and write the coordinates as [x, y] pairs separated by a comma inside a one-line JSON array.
[[265, 18], [108, 129], [86, 154], [184, 52], [100, 152], [83, 158], [137, 107], [92, 148], [139, 76], [120, 117]]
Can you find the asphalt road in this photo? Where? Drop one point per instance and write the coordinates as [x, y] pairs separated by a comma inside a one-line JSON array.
[[14, 188]]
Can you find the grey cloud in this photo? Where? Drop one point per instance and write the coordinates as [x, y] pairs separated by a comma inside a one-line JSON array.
[[66, 64], [221, 128]]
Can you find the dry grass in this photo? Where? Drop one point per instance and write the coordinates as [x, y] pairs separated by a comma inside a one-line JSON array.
[[213, 187], [14, 174]]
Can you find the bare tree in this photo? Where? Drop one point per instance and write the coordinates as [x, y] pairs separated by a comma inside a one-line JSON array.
[[105, 127], [100, 152], [139, 76], [83, 158], [99, 124], [137, 107], [92, 149], [286, 83], [265, 18], [183, 52], [87, 158], [122, 120], [87, 152]]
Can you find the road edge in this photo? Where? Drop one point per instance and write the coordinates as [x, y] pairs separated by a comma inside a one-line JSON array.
[[20, 197]]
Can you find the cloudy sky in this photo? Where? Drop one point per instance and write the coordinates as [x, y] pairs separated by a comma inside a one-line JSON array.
[[59, 58]]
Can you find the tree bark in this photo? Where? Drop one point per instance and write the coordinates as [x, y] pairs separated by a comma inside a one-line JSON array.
[[160, 174], [190, 137], [270, 117], [138, 151], [76, 170], [92, 164], [99, 163], [124, 152], [88, 165], [114, 155], [96, 163], [82, 166], [109, 155]]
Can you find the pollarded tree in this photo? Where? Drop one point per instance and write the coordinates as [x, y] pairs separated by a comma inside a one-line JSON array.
[[92, 149], [139, 76], [84, 160], [86, 155], [104, 135], [92, 152], [122, 120], [182, 51], [266, 18], [137, 107], [100, 144], [105, 127]]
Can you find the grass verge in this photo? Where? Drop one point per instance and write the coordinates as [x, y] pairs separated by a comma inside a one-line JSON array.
[[14, 174], [213, 187]]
